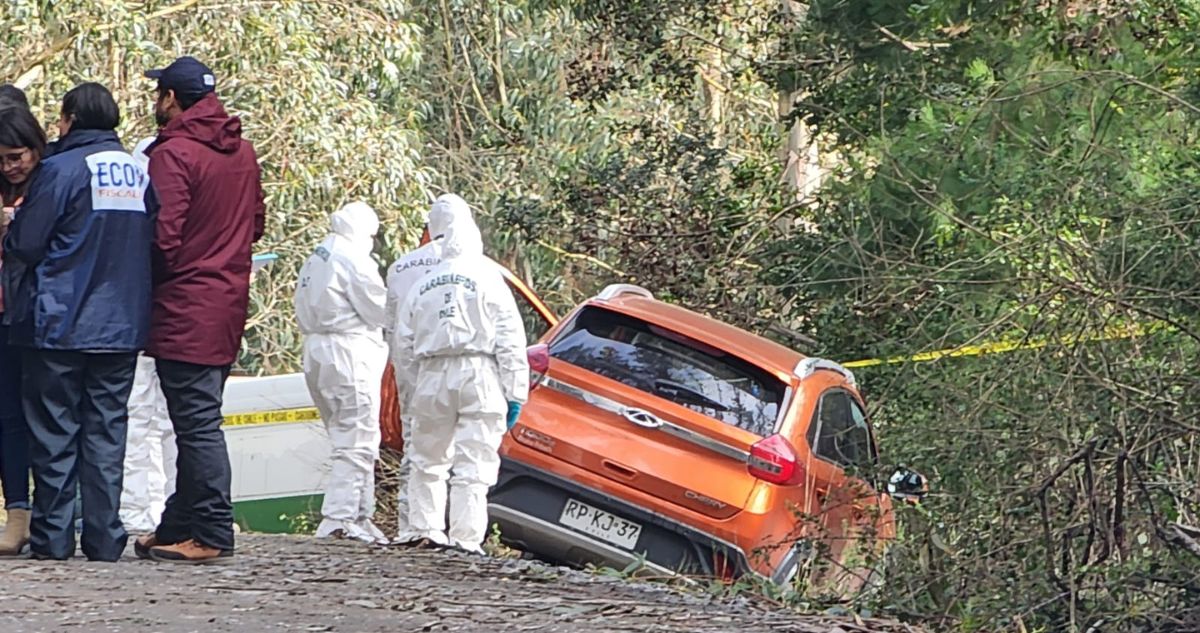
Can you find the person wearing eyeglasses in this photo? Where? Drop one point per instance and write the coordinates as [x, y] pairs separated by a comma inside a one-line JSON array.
[[22, 144], [83, 234], [21, 149]]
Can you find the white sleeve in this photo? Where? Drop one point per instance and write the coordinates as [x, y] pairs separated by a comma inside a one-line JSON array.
[[510, 351], [367, 293], [389, 309], [403, 351]]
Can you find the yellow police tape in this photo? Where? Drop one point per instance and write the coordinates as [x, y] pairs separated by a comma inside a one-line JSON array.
[[310, 414], [285, 416], [1000, 347]]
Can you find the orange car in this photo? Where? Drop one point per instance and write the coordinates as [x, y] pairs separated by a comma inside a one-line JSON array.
[[660, 436]]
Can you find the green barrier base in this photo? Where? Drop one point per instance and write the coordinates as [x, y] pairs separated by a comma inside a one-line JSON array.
[[281, 515]]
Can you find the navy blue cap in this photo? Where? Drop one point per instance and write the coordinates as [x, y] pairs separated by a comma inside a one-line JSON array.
[[186, 76]]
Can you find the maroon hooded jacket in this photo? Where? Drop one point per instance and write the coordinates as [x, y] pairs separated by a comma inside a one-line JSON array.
[[209, 189]]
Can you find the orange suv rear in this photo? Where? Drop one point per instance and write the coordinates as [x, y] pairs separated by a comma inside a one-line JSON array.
[[660, 436]]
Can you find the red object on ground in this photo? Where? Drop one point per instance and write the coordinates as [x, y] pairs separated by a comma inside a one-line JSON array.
[[389, 412]]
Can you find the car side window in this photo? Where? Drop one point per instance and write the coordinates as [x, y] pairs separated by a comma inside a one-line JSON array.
[[867, 448], [840, 433]]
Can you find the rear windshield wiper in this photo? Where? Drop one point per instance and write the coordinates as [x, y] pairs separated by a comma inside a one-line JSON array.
[[672, 388]]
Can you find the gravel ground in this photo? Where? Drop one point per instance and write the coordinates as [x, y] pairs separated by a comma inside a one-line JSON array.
[[300, 584]]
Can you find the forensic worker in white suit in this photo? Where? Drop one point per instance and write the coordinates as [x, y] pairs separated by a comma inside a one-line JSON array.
[[460, 342], [402, 276], [340, 302]]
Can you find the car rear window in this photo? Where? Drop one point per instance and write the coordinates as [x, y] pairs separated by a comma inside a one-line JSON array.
[[669, 365]]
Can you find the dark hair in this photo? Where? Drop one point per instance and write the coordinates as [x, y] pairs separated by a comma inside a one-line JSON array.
[[11, 95], [91, 106], [185, 101], [19, 128]]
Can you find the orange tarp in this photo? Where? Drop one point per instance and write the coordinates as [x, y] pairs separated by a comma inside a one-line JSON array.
[[389, 411]]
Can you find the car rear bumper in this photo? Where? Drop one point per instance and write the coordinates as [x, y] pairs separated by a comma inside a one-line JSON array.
[[527, 502], [561, 543]]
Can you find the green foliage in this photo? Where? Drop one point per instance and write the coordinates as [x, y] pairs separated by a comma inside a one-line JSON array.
[[1000, 171], [315, 84], [1018, 175]]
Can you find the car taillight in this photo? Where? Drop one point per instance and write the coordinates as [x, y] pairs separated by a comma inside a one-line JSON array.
[[539, 364], [774, 460]]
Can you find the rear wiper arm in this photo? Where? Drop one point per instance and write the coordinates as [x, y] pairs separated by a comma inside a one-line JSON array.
[[687, 393]]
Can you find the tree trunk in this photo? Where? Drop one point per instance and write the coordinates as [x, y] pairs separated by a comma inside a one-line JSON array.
[[800, 155], [712, 83]]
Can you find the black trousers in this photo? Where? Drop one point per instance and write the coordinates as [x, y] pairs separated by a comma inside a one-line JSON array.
[[75, 406], [202, 506]]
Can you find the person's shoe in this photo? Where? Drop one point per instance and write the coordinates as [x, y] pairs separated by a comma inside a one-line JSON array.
[[357, 532], [354, 531], [334, 529], [373, 534], [477, 551], [425, 544], [191, 552], [143, 543], [429, 544], [405, 538], [16, 533], [407, 541]]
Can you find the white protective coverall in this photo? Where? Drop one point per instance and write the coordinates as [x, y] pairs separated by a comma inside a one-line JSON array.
[[402, 276], [149, 452], [340, 301], [460, 342], [150, 443]]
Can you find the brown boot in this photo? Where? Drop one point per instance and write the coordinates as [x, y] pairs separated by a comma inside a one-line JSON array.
[[142, 545], [191, 552], [16, 533]]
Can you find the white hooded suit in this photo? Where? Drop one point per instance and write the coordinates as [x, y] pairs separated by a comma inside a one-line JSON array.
[[340, 303], [460, 342]]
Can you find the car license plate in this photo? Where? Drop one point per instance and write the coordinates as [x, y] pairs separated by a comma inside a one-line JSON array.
[[600, 524]]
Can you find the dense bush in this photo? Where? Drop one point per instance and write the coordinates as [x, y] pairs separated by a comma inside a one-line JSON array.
[[995, 172]]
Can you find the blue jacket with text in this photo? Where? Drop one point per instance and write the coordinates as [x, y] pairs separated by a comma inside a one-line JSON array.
[[77, 254]]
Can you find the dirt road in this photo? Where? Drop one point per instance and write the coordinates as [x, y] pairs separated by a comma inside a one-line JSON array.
[[299, 584]]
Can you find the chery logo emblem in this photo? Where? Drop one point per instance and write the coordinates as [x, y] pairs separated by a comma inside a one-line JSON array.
[[708, 501]]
